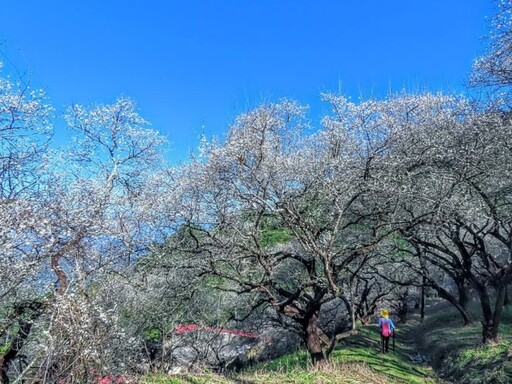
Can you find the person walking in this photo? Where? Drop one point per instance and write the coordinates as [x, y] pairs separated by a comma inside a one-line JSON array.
[[387, 328]]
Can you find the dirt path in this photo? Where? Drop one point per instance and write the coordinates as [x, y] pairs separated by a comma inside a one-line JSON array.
[[406, 364]]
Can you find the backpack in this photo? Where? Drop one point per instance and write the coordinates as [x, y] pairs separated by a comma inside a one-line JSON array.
[[385, 329]]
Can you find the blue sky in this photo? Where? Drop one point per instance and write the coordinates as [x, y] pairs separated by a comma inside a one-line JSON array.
[[185, 62]]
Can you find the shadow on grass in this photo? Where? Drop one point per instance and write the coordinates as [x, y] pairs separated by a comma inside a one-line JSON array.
[[393, 364], [365, 348], [457, 352]]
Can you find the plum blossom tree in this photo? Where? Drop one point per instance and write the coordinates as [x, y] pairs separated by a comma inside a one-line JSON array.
[[451, 166], [94, 227], [78, 220], [25, 128], [494, 69], [279, 214]]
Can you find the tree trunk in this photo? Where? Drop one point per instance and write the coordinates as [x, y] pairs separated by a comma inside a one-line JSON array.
[[402, 306], [443, 293], [353, 319], [4, 379], [62, 280], [422, 304], [350, 310], [491, 319], [489, 331], [313, 337], [463, 295]]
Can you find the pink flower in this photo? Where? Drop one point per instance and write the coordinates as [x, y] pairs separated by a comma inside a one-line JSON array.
[[111, 379], [180, 329]]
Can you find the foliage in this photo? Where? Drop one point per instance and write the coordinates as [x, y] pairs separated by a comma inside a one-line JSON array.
[[4, 348], [153, 334], [106, 251]]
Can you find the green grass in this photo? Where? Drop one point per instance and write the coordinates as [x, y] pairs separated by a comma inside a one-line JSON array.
[[356, 360], [356, 353], [330, 373], [455, 351], [396, 366]]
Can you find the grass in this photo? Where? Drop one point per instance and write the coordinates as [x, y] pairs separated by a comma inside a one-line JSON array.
[[330, 373], [455, 351], [361, 351], [397, 366], [356, 360]]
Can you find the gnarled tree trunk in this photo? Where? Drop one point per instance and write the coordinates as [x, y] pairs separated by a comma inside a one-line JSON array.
[[312, 336], [491, 318]]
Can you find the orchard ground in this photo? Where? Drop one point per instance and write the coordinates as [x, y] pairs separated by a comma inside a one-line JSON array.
[[453, 352]]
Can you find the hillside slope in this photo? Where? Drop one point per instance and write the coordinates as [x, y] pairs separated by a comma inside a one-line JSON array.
[[440, 350]]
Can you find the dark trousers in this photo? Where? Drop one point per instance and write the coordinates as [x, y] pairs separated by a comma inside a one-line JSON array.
[[385, 343]]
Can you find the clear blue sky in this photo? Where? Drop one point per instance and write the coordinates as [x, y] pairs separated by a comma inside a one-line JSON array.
[[182, 60]]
